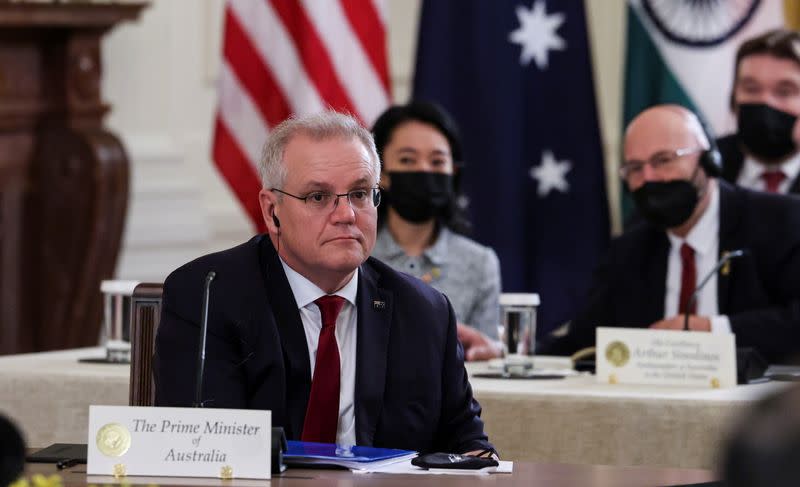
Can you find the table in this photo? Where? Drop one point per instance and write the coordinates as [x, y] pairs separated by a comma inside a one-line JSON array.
[[525, 474], [64, 176], [575, 420], [48, 394], [578, 420]]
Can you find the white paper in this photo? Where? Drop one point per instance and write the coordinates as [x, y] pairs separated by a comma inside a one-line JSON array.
[[405, 467]]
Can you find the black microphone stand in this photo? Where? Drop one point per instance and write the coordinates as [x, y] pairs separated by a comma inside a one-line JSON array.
[[724, 260], [201, 352]]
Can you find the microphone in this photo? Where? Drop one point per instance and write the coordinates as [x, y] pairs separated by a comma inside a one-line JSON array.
[[201, 350], [733, 254]]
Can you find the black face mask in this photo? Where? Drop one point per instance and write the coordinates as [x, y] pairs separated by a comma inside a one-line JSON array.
[[765, 131], [420, 196], [666, 204]]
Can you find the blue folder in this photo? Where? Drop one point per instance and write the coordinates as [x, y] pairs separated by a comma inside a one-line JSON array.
[[304, 453]]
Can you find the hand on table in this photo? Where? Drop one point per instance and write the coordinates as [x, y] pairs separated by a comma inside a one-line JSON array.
[[477, 346], [696, 323]]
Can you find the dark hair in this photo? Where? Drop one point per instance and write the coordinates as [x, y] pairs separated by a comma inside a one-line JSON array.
[[455, 217], [779, 43]]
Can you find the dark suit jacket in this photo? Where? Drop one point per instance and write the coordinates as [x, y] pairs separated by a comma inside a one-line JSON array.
[[733, 161], [760, 294], [411, 388]]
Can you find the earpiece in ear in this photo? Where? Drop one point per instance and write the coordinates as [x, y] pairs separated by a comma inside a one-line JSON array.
[[275, 220], [710, 159]]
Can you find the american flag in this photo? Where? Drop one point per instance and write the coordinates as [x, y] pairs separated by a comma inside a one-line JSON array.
[[284, 57]]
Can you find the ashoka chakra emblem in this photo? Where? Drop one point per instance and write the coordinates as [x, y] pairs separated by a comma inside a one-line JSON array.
[[699, 23]]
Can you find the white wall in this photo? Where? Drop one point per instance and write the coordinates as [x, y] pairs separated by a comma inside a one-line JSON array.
[[160, 80]]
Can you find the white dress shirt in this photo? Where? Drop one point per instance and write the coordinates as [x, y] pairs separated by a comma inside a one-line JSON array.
[[750, 175], [704, 239], [305, 293]]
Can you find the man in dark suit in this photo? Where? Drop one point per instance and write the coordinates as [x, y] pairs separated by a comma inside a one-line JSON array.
[[763, 153], [689, 220], [387, 366]]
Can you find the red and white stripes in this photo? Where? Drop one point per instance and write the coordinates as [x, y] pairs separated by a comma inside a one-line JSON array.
[[283, 57]]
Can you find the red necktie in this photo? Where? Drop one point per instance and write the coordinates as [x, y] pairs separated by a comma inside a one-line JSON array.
[[773, 180], [322, 414], [688, 279]]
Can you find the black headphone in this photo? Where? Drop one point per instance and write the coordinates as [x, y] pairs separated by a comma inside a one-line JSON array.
[[275, 220], [710, 159]]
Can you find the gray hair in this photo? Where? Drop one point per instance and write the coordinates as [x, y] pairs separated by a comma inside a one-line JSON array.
[[319, 126]]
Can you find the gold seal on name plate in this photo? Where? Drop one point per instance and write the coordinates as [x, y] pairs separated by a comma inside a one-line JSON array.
[[113, 440], [715, 383], [617, 353]]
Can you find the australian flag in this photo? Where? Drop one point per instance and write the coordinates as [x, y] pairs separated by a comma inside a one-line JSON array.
[[517, 76]]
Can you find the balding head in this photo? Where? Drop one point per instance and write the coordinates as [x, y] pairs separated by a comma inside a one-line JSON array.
[[666, 124], [662, 130]]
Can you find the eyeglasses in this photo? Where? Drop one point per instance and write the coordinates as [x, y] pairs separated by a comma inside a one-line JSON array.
[[359, 199], [635, 169]]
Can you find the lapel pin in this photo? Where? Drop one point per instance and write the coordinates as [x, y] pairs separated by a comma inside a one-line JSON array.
[[379, 305], [726, 268]]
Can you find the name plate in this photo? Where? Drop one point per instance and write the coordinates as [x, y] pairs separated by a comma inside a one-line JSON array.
[[666, 357], [181, 442]]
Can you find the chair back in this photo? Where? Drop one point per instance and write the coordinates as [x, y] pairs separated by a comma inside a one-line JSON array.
[[146, 313]]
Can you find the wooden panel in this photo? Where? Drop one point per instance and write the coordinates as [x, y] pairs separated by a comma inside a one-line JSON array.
[[63, 176], [15, 149], [146, 304], [74, 15], [21, 100]]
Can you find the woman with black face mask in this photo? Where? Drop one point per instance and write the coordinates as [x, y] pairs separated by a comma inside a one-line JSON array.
[[421, 226]]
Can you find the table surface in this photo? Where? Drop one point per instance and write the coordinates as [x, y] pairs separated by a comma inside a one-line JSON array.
[[525, 474], [574, 420], [63, 364], [586, 386], [581, 420]]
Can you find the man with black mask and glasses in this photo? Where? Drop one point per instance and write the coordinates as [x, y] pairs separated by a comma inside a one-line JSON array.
[[689, 221], [763, 153]]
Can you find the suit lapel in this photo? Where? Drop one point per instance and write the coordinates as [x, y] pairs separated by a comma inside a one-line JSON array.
[[374, 320], [292, 336], [794, 188], [655, 274], [730, 201]]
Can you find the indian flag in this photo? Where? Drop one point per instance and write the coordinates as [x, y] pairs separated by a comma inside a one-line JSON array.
[[683, 51]]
